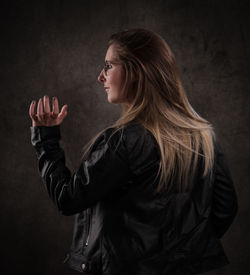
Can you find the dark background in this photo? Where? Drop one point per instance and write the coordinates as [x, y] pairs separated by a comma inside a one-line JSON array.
[[58, 48]]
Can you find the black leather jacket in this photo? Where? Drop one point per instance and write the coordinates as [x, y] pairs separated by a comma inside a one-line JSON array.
[[120, 227]]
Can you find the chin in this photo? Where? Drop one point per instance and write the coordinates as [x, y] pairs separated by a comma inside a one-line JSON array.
[[113, 101], [110, 100]]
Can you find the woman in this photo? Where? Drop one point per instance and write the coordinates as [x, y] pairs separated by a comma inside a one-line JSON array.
[[153, 193]]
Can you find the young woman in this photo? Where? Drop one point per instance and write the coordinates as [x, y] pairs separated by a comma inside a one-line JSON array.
[[153, 193]]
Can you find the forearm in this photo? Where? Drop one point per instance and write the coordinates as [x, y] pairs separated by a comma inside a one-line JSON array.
[[56, 177]]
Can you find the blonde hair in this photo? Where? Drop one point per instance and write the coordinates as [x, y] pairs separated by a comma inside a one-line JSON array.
[[158, 101]]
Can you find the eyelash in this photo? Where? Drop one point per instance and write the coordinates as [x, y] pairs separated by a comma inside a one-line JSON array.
[[106, 67]]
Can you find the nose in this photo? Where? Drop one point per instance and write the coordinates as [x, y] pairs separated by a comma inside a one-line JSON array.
[[101, 77]]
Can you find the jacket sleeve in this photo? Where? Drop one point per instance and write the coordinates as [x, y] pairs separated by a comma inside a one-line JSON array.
[[225, 205], [103, 173]]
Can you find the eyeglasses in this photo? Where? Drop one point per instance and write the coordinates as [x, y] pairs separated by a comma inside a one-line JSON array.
[[106, 67]]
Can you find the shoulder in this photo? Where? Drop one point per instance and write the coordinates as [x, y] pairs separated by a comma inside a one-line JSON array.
[[137, 136], [141, 145], [134, 144], [129, 132], [132, 135], [133, 138], [143, 150]]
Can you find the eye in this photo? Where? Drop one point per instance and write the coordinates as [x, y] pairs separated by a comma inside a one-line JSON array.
[[107, 67]]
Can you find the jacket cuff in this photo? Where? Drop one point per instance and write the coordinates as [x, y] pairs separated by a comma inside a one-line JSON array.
[[39, 134]]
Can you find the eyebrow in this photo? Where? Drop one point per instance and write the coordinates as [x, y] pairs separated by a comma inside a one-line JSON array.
[[112, 61]]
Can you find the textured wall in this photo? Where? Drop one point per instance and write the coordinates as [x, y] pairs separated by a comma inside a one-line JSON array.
[[58, 48]]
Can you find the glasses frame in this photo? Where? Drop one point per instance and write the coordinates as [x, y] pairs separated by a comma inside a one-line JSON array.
[[105, 68], [109, 63]]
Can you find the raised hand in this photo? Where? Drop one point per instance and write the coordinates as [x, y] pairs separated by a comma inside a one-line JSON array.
[[44, 116]]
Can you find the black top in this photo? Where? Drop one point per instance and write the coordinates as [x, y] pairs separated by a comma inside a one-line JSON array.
[[120, 226]]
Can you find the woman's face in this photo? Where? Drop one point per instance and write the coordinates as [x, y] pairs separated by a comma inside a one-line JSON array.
[[112, 77]]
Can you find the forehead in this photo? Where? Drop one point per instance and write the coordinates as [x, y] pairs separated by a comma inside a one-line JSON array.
[[111, 54]]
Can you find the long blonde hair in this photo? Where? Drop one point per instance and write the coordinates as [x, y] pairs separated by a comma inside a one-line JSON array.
[[158, 101]]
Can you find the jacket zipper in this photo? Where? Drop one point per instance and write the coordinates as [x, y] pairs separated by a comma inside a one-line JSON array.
[[88, 226]]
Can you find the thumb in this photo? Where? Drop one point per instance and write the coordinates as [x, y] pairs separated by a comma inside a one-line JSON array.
[[63, 112]]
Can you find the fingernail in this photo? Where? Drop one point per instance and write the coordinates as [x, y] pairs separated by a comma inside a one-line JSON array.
[[33, 101]]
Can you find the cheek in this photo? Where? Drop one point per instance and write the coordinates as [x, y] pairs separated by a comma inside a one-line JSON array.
[[116, 80]]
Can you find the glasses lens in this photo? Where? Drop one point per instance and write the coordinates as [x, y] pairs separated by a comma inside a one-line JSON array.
[[105, 69]]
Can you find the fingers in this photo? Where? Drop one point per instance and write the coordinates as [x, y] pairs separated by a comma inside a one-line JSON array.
[[63, 113], [55, 107], [46, 104], [44, 116], [32, 114], [40, 112], [32, 110]]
